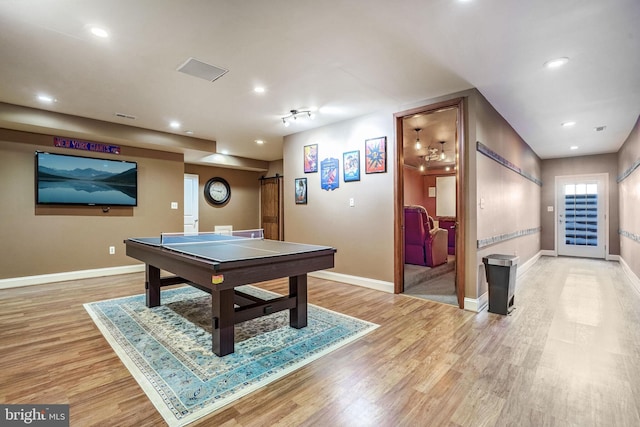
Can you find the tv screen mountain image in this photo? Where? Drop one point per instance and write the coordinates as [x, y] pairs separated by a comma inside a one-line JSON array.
[[65, 179]]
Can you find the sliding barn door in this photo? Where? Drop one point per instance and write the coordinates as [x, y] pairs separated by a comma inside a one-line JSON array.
[[272, 208]]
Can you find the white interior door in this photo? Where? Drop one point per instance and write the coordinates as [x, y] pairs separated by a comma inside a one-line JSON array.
[[191, 192], [582, 222]]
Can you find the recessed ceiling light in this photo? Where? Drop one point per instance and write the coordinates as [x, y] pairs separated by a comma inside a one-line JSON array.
[[174, 125], [188, 132], [568, 124], [557, 62], [99, 32], [259, 141], [574, 147], [46, 98], [259, 89]]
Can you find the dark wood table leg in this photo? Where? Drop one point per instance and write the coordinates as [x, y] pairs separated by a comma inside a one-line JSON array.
[[298, 289], [223, 320], [152, 286]]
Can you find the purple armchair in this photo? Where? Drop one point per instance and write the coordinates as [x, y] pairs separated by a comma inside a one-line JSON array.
[[423, 244]]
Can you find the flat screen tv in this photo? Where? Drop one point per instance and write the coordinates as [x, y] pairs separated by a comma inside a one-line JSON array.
[[63, 179]]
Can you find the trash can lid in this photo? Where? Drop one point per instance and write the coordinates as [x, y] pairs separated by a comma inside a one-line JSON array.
[[500, 259]]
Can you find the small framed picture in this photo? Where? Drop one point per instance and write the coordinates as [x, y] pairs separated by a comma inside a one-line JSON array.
[[301, 191], [330, 174], [375, 155], [351, 165], [311, 158]]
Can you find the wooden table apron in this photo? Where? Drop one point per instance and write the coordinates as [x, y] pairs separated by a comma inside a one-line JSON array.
[[201, 274]]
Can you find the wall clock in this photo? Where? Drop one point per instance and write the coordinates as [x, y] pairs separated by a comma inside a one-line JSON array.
[[217, 191]]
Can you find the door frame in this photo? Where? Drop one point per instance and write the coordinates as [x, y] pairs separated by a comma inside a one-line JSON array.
[[398, 244], [195, 198], [605, 208]]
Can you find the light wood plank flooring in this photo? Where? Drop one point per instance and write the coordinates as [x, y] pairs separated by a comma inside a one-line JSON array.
[[568, 355]]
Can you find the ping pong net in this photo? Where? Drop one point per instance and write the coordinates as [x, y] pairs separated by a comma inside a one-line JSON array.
[[208, 237]]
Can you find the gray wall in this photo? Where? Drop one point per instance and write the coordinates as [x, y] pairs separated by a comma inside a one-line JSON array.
[[506, 202], [583, 165], [629, 188]]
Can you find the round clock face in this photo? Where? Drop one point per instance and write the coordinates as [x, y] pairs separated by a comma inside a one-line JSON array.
[[217, 191]]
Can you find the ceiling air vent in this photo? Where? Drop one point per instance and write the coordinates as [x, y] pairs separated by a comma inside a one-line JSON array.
[[202, 70], [125, 116], [600, 128]]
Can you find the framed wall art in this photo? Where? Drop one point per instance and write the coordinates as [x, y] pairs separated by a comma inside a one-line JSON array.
[[301, 191], [311, 158], [351, 165], [330, 174], [375, 155]]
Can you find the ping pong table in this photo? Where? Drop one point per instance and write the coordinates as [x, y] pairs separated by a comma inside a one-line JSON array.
[[217, 264]]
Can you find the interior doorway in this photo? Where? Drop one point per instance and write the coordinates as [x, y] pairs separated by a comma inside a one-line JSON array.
[[429, 210], [190, 206]]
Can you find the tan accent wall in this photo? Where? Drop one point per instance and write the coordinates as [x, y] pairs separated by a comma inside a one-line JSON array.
[[242, 209], [629, 200], [55, 239], [43, 240], [583, 165], [363, 234]]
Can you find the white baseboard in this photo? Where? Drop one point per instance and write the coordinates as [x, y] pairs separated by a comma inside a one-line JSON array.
[[613, 257], [527, 265], [69, 275], [378, 285], [477, 305], [635, 281], [16, 282]]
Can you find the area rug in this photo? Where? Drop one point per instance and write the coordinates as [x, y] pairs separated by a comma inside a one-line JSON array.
[[167, 349]]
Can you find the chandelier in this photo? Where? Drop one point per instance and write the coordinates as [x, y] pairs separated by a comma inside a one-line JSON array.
[[434, 154]]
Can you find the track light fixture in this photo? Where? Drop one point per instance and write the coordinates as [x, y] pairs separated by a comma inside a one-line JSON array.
[[293, 115]]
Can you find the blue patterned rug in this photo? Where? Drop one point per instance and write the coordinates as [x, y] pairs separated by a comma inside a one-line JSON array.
[[168, 348]]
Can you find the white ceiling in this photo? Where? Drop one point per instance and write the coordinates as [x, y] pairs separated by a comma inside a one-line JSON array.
[[345, 57]]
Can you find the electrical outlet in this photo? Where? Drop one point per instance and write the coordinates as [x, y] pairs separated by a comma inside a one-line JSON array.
[[112, 250], [174, 205], [352, 202]]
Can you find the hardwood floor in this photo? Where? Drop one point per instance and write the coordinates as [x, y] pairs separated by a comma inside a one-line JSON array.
[[568, 355]]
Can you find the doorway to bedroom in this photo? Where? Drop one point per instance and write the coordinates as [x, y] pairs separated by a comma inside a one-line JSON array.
[[428, 187]]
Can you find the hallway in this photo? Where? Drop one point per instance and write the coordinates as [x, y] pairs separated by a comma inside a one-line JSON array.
[[571, 349]]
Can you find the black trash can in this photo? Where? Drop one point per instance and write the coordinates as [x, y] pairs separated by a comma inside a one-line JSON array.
[[501, 276]]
